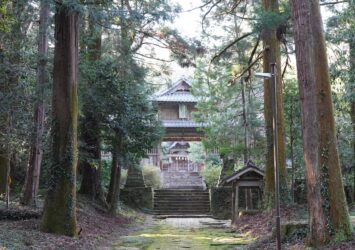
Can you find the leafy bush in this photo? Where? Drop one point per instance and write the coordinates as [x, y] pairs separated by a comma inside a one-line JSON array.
[[151, 176], [211, 174]]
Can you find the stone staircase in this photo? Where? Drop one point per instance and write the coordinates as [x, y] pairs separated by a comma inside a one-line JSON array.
[[182, 180], [181, 202]]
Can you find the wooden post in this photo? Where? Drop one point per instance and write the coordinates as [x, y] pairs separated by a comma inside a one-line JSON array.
[[236, 205], [233, 201]]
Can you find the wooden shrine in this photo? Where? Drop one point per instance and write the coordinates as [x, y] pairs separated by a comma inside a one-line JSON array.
[[249, 177]]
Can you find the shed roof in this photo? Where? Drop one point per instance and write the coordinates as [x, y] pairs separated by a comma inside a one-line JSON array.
[[249, 168]]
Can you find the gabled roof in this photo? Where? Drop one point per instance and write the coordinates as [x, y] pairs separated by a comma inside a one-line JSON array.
[[249, 168], [179, 92]]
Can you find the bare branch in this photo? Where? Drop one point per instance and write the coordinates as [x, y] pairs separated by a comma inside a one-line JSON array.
[[230, 45], [153, 58], [207, 13], [334, 2]]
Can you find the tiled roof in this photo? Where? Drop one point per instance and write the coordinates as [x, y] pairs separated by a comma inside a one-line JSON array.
[[181, 124], [176, 97]]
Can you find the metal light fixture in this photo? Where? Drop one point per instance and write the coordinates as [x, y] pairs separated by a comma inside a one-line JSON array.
[[272, 76]]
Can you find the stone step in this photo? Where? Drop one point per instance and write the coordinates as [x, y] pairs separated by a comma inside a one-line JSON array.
[[181, 202], [178, 208], [177, 204], [180, 198], [185, 212], [182, 194]]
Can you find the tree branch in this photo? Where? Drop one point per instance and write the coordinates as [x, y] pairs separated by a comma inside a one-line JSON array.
[[334, 2], [230, 45]]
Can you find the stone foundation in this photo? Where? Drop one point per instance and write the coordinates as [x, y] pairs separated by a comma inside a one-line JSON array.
[[137, 197], [221, 202]]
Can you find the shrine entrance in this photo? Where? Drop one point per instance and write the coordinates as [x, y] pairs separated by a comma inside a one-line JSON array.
[[183, 191]]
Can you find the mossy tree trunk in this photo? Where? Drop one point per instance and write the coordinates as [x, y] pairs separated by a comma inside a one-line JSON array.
[[59, 213], [328, 213], [30, 188], [90, 127], [115, 181], [272, 54]]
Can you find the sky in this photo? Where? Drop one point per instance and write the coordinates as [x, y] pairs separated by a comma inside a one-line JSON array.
[[188, 23]]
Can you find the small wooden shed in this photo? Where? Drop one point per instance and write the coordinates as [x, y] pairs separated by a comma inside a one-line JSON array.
[[248, 177]]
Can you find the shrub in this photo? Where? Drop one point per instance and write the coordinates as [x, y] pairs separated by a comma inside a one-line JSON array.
[[211, 174], [151, 176]]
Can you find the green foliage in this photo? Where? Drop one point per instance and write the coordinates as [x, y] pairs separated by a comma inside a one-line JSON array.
[[151, 176], [197, 153], [271, 20], [219, 107], [210, 174]]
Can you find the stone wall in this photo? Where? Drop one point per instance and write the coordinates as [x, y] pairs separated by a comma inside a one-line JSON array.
[[221, 202], [137, 197]]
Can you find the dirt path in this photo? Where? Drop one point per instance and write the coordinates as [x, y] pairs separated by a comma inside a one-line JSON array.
[[183, 233]]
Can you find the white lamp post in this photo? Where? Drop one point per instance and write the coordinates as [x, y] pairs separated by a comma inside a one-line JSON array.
[[272, 76]]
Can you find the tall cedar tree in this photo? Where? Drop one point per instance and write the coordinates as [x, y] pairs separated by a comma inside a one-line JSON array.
[[328, 213], [89, 126], [59, 214], [272, 54], [30, 188]]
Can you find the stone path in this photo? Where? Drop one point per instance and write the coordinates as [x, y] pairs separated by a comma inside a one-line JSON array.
[[185, 233]]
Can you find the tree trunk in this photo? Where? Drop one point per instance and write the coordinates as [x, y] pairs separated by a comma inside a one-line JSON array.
[[245, 122], [325, 194], [292, 154], [90, 129], [4, 166], [30, 188], [272, 55], [114, 167], [59, 214], [115, 182]]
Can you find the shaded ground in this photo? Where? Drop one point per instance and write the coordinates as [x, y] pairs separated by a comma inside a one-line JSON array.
[[261, 227], [94, 225], [140, 231], [185, 233]]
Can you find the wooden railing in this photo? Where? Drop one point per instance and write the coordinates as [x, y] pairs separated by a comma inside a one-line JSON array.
[[182, 167]]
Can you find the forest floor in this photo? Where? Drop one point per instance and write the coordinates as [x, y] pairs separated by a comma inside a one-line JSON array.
[[94, 224], [135, 231]]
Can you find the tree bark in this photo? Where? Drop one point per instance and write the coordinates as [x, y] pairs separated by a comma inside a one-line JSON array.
[[90, 129], [245, 122], [115, 182], [325, 194], [272, 54], [30, 188], [59, 214]]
